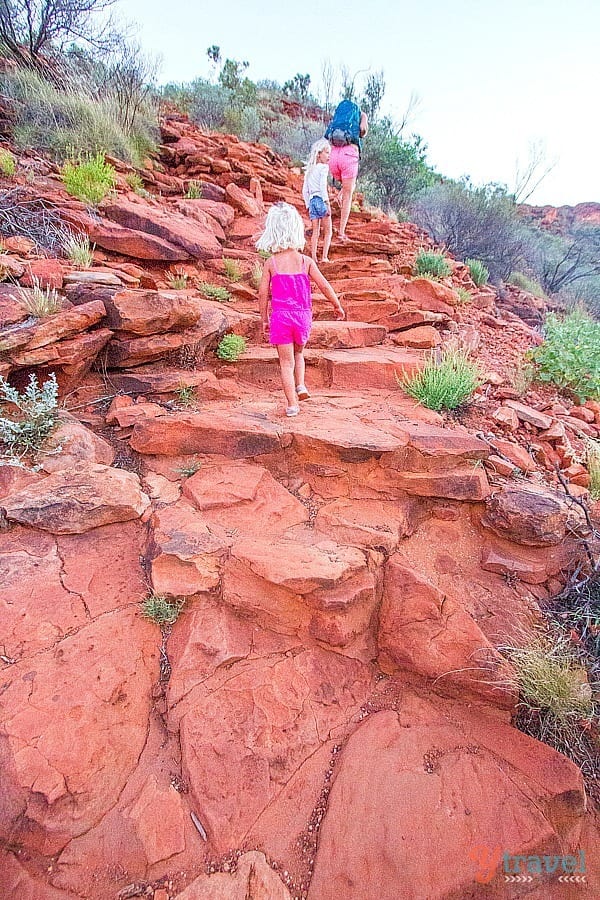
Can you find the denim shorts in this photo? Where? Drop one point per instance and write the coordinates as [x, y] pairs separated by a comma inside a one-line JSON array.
[[317, 208]]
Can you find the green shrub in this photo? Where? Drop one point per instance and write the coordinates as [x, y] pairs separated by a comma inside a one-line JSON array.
[[38, 301], [233, 270], [592, 454], [8, 164], [89, 179], [214, 292], [161, 610], [186, 396], [77, 249], [37, 407], [431, 264], [479, 272], [446, 381], [525, 283], [230, 347], [570, 354]]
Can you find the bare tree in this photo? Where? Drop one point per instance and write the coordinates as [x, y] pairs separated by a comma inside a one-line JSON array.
[[31, 28], [328, 79], [533, 172]]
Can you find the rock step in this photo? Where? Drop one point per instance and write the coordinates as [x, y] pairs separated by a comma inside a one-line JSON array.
[[359, 367], [348, 450], [345, 335]]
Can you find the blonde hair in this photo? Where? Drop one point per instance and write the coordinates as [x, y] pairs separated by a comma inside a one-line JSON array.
[[317, 147], [284, 230]]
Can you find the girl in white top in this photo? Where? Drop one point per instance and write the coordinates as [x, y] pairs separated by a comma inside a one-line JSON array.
[[316, 197]]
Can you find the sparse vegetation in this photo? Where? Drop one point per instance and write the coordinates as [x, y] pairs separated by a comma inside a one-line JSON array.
[[37, 409], [161, 610], [136, 183], [522, 378], [194, 190], [38, 301], [89, 179], [8, 164], [479, 272], [256, 275], [570, 354], [186, 396], [189, 469], [464, 296], [233, 270], [214, 292], [231, 346], [525, 283], [592, 455], [447, 380], [77, 249], [431, 264], [177, 281]]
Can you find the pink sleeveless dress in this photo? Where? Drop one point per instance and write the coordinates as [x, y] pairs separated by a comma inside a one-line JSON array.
[[291, 307]]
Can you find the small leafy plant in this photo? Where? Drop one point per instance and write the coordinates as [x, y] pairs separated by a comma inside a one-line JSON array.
[[525, 283], [161, 610], [231, 346], [77, 249], [8, 164], [431, 264], [233, 270], [570, 354], [189, 468], [194, 190], [89, 179], [38, 301], [479, 272], [37, 408], [214, 292], [446, 381]]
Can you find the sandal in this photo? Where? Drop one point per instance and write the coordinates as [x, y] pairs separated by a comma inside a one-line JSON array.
[[302, 392], [292, 411]]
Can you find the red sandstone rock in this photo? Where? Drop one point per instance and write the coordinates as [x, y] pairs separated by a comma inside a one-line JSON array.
[[425, 763], [368, 523], [583, 413], [423, 337], [75, 501], [245, 498], [152, 312], [129, 242], [169, 226], [70, 444], [527, 516], [242, 200], [252, 878], [222, 212], [47, 273], [185, 554], [65, 323], [427, 294], [528, 414], [516, 454], [335, 335], [423, 631]]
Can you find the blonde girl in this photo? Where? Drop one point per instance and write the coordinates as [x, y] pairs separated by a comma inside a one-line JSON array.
[[284, 298], [316, 197]]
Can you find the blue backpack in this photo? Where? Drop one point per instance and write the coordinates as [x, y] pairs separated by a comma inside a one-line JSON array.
[[344, 128]]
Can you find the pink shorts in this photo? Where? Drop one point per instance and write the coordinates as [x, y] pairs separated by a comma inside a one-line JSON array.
[[343, 162], [290, 327]]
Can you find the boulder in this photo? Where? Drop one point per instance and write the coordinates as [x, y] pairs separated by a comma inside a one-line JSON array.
[[527, 516], [78, 500], [142, 312]]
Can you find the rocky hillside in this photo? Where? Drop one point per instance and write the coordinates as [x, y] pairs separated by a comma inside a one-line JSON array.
[[329, 716], [562, 219]]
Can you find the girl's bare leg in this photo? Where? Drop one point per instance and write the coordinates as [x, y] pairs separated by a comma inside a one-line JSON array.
[[347, 191], [314, 241], [299, 365], [327, 232], [286, 355]]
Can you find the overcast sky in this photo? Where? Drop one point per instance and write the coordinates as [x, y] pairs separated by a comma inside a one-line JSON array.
[[493, 76]]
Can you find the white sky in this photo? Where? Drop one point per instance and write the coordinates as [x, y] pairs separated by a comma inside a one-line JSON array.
[[493, 76]]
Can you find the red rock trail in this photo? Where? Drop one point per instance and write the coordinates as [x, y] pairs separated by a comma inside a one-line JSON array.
[[329, 716]]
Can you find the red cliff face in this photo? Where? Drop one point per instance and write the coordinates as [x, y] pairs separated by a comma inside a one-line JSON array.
[[329, 715], [562, 219]]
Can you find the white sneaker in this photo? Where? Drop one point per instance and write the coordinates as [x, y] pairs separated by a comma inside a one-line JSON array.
[[302, 392], [292, 411]]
